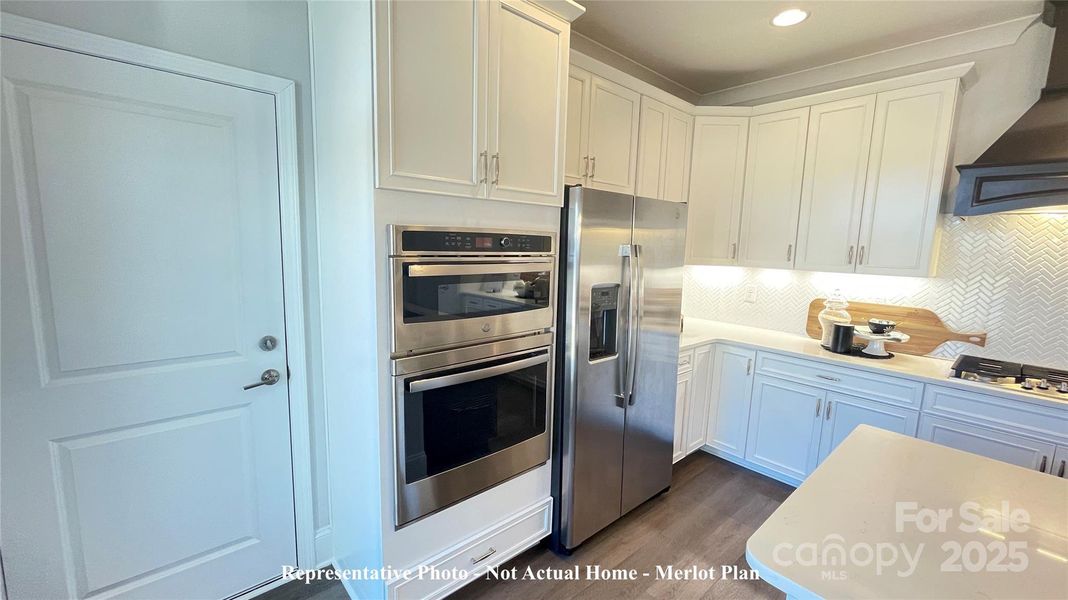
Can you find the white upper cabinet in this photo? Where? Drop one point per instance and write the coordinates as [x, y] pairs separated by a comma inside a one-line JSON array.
[[613, 142], [774, 167], [832, 191], [577, 137], [906, 170], [470, 99], [652, 143], [717, 176], [675, 174], [527, 91], [431, 84]]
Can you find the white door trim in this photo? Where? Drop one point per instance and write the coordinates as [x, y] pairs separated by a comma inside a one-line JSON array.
[[283, 90]]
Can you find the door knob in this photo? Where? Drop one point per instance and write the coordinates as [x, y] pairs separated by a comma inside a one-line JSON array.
[[268, 343], [269, 377]]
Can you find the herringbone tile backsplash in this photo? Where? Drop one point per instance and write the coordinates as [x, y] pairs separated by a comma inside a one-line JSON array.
[[1003, 274]]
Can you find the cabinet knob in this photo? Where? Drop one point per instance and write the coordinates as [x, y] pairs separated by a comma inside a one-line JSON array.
[[828, 412], [860, 258], [789, 252], [850, 259], [819, 401], [496, 169], [585, 167], [734, 250], [1060, 471], [593, 166]]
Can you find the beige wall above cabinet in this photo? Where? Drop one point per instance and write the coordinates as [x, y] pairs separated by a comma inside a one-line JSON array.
[[664, 141], [770, 203], [716, 182], [470, 99]]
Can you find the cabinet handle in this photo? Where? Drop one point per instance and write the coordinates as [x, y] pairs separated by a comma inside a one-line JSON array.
[[860, 259], [585, 167], [828, 377], [496, 169], [818, 402], [749, 366], [850, 260], [830, 405], [593, 166], [734, 250], [491, 552], [1060, 471], [484, 165], [789, 252], [1042, 467]]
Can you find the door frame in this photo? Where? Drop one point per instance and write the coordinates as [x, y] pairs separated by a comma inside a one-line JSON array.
[[284, 93]]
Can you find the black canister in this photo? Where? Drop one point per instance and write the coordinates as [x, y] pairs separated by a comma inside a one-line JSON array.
[[842, 338]]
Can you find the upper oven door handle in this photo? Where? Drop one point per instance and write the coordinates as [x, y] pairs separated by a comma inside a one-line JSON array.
[[436, 270], [434, 383]]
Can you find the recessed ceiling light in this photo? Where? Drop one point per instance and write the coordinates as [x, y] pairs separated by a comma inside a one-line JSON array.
[[789, 17]]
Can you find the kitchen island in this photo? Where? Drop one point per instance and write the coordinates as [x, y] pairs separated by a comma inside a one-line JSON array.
[[890, 516]]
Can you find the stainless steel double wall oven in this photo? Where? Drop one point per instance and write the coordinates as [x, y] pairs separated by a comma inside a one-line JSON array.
[[472, 360]]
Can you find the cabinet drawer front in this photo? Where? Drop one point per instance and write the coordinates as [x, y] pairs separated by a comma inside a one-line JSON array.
[[991, 443], [1000, 413], [475, 555], [685, 361], [851, 381]]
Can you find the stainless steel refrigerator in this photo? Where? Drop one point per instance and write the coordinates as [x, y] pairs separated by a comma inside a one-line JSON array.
[[618, 346]]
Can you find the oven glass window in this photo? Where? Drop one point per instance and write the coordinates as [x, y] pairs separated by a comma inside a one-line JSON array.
[[447, 297], [453, 425]]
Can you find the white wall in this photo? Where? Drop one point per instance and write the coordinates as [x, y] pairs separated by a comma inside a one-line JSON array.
[[268, 37]]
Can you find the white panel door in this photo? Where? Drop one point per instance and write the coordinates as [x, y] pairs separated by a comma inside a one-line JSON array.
[[843, 413], [906, 170], [784, 426], [774, 168], [999, 445], [430, 85], [732, 392], [141, 267], [682, 396], [717, 176], [613, 136], [700, 388], [528, 82], [577, 136], [676, 170], [652, 137], [832, 191]]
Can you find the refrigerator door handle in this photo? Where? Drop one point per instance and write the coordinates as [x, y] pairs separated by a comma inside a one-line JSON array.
[[623, 362], [634, 326]]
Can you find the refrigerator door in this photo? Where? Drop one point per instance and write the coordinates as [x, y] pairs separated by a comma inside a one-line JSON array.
[[590, 450], [660, 238]]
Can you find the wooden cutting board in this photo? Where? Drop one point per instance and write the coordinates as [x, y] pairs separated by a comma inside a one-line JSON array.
[[926, 329]]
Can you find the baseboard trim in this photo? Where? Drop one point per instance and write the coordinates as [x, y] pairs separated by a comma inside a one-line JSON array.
[[741, 462]]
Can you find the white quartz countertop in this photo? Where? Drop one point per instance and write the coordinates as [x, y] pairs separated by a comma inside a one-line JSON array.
[[698, 332], [849, 531]]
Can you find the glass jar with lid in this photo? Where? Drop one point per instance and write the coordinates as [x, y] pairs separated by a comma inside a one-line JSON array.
[[834, 312]]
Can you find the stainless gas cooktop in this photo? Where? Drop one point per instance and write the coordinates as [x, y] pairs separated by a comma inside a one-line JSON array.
[[1042, 381]]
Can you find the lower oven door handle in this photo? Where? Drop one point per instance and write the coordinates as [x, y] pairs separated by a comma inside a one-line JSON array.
[[494, 268], [434, 383]]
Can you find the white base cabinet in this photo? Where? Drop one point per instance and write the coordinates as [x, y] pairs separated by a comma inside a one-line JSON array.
[[682, 401], [1000, 445], [731, 388], [843, 413], [784, 426]]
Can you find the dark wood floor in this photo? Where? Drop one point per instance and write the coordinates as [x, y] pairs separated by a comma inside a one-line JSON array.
[[704, 520]]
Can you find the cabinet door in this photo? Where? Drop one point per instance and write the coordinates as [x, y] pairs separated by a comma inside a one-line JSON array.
[[682, 394], [717, 174], [697, 408], [784, 426], [843, 413], [906, 169], [613, 136], [1060, 462], [774, 167], [431, 96], [832, 190], [732, 391], [675, 174], [652, 140], [577, 138], [528, 79], [991, 443]]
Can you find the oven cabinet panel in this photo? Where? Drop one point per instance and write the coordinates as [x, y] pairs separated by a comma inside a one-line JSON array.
[[991, 443], [475, 555]]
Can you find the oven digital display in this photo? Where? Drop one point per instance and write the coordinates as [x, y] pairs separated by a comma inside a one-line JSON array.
[[483, 242]]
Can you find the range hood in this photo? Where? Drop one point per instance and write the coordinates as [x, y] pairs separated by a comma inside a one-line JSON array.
[[1027, 167]]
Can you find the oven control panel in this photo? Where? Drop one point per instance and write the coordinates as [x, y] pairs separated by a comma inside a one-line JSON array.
[[431, 241]]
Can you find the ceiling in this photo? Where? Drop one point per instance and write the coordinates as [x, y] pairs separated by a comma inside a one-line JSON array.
[[711, 45]]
